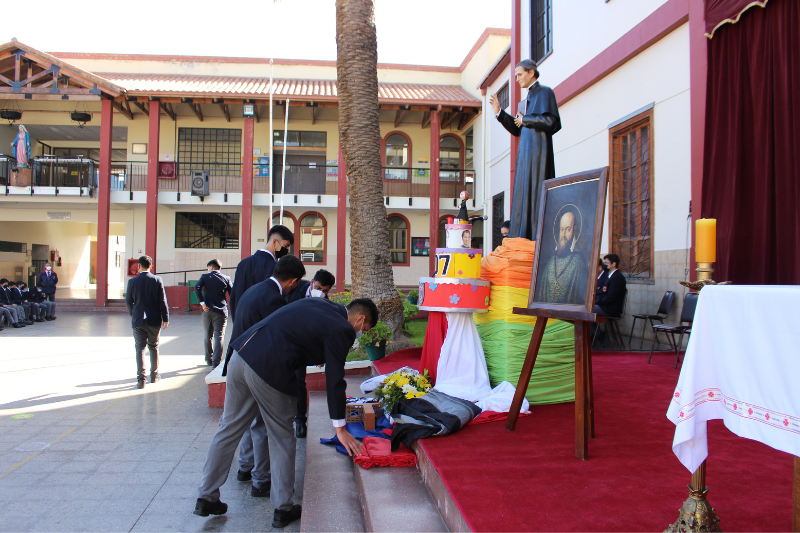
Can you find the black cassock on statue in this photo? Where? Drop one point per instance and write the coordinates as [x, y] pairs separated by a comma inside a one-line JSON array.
[[534, 156]]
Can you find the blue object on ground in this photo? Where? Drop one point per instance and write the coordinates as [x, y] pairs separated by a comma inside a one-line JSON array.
[[357, 430]]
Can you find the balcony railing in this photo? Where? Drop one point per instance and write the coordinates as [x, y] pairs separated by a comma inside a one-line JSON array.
[[310, 179], [416, 182]]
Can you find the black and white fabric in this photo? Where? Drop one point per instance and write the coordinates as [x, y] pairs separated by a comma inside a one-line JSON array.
[[434, 414]]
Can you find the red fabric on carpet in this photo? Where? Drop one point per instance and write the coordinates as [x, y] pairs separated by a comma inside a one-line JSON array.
[[491, 416], [432, 346], [378, 452], [408, 357], [530, 480]]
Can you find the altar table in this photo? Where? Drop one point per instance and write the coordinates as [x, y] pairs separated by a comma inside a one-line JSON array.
[[742, 365]]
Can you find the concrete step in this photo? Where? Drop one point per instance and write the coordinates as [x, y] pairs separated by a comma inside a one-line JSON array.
[[341, 496], [86, 305]]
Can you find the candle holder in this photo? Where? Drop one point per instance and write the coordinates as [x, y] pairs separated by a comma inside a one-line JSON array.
[[705, 271]]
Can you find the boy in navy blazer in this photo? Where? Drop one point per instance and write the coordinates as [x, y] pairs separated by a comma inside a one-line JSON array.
[[215, 285], [147, 304]]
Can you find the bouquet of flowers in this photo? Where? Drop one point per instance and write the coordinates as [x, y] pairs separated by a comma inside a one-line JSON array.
[[401, 385]]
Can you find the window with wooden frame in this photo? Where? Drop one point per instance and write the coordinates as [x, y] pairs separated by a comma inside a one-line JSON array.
[[503, 96], [631, 195], [398, 239], [541, 29], [312, 238]]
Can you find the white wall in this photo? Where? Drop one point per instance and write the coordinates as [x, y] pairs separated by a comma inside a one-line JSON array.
[[659, 75], [581, 30]]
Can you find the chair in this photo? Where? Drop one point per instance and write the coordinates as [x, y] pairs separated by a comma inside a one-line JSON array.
[[661, 315], [687, 316], [612, 325]]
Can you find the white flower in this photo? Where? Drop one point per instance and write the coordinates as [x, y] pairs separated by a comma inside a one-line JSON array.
[[407, 388]]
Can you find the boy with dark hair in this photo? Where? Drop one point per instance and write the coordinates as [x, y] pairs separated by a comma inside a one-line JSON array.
[[34, 311], [16, 310], [261, 377], [215, 309], [48, 308], [146, 301]]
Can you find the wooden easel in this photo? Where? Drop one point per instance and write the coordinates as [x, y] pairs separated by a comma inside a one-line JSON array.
[[584, 393]]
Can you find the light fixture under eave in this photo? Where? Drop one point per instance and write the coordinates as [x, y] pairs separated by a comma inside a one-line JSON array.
[[11, 115], [248, 110], [80, 117]]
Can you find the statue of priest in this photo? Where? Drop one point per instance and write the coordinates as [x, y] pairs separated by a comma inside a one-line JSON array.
[[535, 123]]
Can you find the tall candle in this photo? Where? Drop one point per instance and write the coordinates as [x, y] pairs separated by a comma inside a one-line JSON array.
[[705, 249]]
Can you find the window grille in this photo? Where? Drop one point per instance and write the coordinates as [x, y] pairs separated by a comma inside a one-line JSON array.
[[503, 98], [207, 230], [219, 151], [398, 239]]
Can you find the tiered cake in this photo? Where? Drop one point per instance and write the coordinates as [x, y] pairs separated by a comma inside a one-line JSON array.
[[456, 286]]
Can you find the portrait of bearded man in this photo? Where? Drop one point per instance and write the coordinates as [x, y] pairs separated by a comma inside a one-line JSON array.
[[565, 275]]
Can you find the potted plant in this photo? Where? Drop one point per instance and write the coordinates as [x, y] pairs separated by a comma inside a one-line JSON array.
[[375, 341], [413, 297]]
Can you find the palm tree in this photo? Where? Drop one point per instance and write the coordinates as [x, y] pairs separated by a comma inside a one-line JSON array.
[[360, 140]]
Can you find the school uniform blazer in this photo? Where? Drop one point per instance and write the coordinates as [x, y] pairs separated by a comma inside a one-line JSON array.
[[215, 284], [299, 292], [36, 296], [250, 270], [16, 296], [258, 302], [48, 282], [311, 331], [146, 296], [610, 300], [5, 296]]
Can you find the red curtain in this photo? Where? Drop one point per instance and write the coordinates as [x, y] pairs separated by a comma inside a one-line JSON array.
[[727, 11], [751, 182]]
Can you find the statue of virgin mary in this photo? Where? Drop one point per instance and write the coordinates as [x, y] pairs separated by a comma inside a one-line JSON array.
[[22, 147]]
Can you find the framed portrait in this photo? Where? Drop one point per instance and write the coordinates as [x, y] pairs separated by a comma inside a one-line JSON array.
[[568, 242]]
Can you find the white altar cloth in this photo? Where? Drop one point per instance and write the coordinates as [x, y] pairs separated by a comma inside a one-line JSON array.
[[742, 365]]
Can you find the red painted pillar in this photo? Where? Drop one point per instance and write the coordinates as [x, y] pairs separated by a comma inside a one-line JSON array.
[[247, 188], [513, 86], [698, 71], [151, 224], [104, 202], [434, 231], [341, 223]]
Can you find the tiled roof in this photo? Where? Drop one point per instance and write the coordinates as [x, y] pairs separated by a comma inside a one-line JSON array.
[[301, 89]]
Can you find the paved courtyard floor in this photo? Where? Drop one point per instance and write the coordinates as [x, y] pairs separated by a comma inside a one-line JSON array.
[[81, 449]]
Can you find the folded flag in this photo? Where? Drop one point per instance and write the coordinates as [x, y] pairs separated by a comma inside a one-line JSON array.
[[378, 452]]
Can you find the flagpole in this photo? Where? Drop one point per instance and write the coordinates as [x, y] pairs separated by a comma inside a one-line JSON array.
[[271, 165], [285, 142]]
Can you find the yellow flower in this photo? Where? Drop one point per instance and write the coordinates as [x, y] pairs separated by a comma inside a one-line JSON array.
[[403, 381], [410, 395]]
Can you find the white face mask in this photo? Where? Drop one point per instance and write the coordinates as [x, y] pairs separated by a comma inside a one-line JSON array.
[[360, 330], [316, 293], [49, 268]]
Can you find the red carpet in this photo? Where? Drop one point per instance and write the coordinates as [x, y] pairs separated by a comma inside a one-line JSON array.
[[399, 359], [529, 480]]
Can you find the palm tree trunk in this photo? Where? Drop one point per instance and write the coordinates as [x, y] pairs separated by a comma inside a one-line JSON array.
[[360, 140]]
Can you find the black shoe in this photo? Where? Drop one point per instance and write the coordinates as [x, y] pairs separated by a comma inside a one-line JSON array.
[[284, 518], [208, 363], [52, 318], [300, 429], [259, 493], [17, 325], [28, 323], [39, 320], [139, 383], [205, 507], [243, 476], [49, 318], [154, 376]]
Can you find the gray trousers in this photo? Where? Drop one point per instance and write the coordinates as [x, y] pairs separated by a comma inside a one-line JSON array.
[[254, 453], [213, 330], [31, 309], [146, 335], [51, 297], [17, 312], [246, 394], [11, 318], [47, 308]]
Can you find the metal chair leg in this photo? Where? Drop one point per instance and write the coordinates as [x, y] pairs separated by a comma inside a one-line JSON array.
[[678, 350], [655, 333], [644, 328], [596, 329], [630, 339]]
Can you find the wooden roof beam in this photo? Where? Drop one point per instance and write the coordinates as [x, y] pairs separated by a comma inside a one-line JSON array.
[[398, 117], [166, 107], [466, 118], [426, 119], [313, 115], [225, 111], [142, 106], [197, 111], [255, 113], [446, 121], [119, 107]]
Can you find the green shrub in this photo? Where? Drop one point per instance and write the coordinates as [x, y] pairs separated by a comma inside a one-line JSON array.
[[375, 334]]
